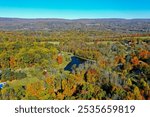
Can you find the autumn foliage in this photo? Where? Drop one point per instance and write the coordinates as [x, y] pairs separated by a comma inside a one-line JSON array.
[[59, 59], [135, 60], [32, 63]]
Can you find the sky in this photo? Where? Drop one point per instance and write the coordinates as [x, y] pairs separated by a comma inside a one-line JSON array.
[[75, 9]]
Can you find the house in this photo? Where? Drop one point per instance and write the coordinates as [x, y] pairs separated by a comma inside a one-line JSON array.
[[2, 85]]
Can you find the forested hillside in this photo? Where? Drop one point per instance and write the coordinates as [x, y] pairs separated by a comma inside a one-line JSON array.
[[107, 59]]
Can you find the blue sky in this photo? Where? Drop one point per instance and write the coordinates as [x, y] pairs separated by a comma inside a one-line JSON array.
[[74, 9]]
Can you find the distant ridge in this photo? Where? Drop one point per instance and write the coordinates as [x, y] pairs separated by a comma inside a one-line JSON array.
[[111, 24]]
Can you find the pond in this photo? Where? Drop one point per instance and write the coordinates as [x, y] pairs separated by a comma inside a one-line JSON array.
[[74, 61]]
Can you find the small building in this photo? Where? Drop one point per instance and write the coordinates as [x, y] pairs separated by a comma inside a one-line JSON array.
[[2, 85]]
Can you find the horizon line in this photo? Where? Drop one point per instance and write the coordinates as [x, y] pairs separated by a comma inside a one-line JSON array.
[[86, 18]]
